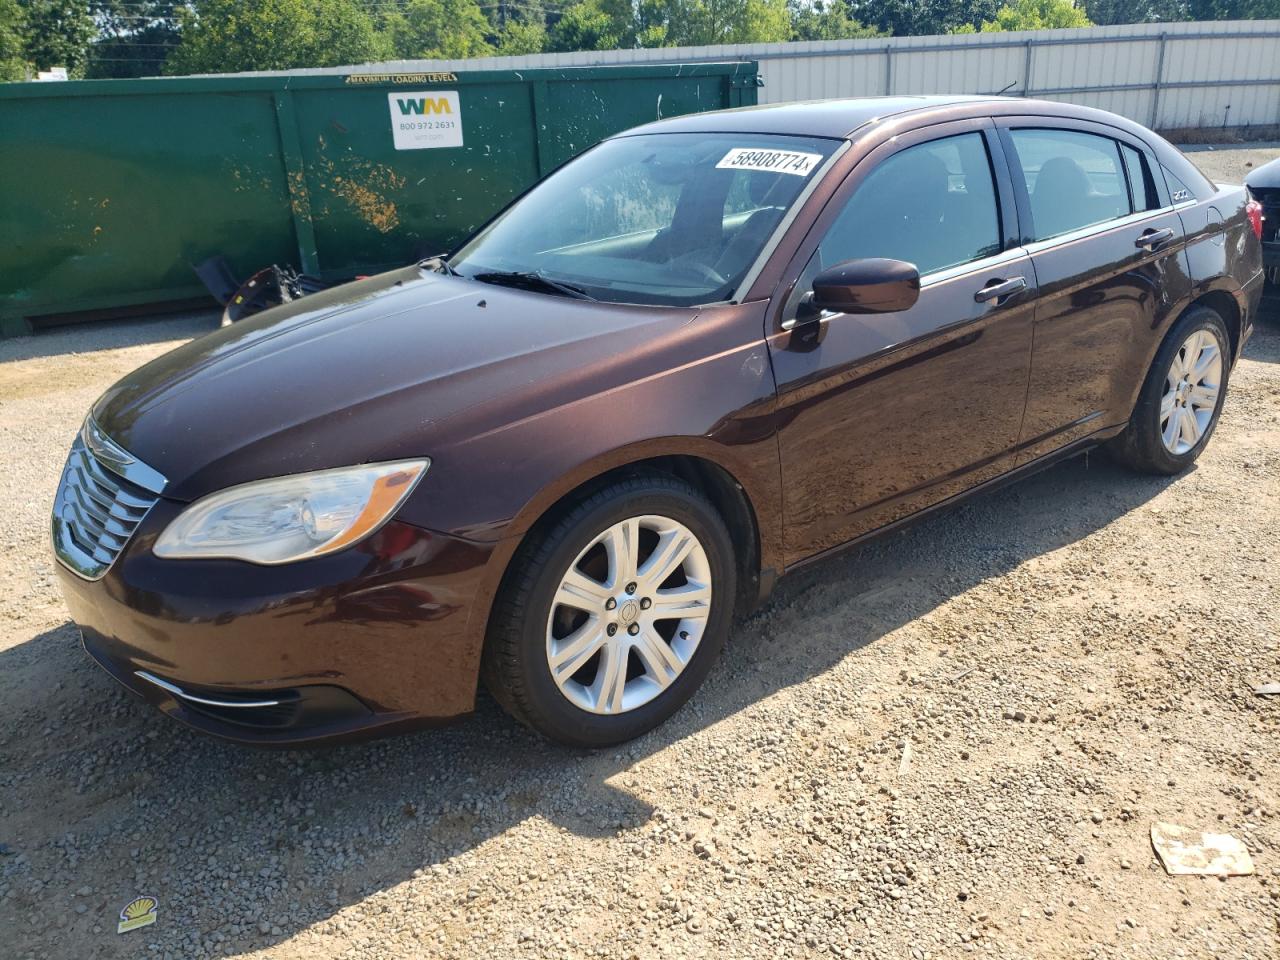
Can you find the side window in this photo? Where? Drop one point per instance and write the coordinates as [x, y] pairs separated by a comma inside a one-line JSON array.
[[933, 205], [1074, 179], [1142, 189]]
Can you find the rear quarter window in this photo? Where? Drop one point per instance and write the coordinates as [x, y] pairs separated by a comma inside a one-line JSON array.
[[1179, 192]]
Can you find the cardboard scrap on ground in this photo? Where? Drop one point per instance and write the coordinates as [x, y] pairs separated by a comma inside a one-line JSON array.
[[1186, 851]]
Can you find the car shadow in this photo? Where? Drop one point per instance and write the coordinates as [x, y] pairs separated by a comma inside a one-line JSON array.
[[167, 812]]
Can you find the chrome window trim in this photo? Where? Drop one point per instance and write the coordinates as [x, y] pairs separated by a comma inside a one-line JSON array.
[[944, 275], [973, 266], [1095, 229]]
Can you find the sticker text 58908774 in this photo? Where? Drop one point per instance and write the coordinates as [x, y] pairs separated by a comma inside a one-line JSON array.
[[770, 161]]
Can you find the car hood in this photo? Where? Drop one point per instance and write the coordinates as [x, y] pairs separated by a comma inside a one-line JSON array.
[[372, 370]]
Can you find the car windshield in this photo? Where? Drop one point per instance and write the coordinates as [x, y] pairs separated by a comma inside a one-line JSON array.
[[672, 219]]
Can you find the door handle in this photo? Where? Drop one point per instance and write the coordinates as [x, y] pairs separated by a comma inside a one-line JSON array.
[[998, 289], [1151, 239]]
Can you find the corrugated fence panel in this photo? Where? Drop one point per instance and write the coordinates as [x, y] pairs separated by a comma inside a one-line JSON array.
[[957, 70], [1161, 74]]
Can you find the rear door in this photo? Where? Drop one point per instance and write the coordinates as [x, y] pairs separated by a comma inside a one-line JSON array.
[[1107, 249], [882, 415]]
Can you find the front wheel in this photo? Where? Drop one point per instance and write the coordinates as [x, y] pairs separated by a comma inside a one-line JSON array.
[[1181, 398], [611, 618]]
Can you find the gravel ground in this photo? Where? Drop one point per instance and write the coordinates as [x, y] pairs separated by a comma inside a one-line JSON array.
[[952, 741]]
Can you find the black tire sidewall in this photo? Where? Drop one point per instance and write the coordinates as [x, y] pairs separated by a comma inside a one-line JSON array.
[[1146, 421], [546, 707]]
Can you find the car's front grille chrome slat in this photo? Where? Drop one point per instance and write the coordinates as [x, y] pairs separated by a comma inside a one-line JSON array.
[[97, 509]]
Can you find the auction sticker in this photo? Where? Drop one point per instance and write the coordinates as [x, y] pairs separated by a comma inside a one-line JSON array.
[[771, 161], [424, 120]]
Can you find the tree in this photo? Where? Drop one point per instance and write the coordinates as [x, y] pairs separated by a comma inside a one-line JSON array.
[[1233, 9], [229, 35], [57, 34], [1037, 15], [13, 63], [445, 29], [134, 37], [825, 21], [1108, 12], [905, 18], [521, 37], [595, 25], [679, 23]]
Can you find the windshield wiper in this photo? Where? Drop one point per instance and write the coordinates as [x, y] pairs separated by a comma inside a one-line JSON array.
[[532, 280]]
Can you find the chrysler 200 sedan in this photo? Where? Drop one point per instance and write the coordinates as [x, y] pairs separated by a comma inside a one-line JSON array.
[[701, 355]]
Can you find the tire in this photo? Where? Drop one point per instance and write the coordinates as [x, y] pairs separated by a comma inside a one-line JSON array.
[[1144, 445], [629, 684]]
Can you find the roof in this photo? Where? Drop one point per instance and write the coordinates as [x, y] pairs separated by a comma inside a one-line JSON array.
[[814, 118]]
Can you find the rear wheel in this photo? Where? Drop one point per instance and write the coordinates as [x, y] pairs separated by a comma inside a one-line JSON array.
[[1181, 398], [611, 618]]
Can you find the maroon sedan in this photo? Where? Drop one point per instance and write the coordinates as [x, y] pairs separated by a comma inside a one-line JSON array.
[[701, 355]]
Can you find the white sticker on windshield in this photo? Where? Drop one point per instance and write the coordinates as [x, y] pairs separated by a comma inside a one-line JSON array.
[[772, 161]]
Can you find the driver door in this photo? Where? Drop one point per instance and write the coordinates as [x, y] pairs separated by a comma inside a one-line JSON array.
[[883, 415]]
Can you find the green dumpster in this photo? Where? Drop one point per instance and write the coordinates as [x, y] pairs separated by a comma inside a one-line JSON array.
[[112, 190]]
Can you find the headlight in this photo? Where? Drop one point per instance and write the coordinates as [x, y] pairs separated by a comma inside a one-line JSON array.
[[291, 518]]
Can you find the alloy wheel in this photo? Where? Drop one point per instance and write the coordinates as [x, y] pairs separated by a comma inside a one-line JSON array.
[[1193, 387], [628, 614]]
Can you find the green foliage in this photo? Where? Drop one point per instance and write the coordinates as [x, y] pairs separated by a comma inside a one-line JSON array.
[[825, 21], [698, 22], [1037, 15], [13, 64], [1107, 12], [134, 37], [57, 34], [904, 18], [448, 29], [595, 25], [1233, 9], [616, 24], [228, 35], [519, 37]]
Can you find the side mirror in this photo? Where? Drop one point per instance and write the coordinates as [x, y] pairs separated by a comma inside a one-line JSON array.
[[872, 285]]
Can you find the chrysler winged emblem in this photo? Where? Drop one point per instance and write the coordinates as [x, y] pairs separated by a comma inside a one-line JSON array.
[[104, 448]]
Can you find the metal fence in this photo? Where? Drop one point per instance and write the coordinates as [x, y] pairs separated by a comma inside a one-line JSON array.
[[1165, 75]]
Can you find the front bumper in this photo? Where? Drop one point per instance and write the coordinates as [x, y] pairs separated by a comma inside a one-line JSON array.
[[373, 639]]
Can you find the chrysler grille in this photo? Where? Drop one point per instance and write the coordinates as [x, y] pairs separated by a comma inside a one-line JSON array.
[[96, 510]]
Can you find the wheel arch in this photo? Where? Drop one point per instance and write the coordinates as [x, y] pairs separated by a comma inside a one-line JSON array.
[[1222, 295], [730, 496], [1226, 305], [753, 524]]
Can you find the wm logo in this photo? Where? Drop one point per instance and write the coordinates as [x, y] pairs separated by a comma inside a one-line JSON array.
[[424, 105]]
